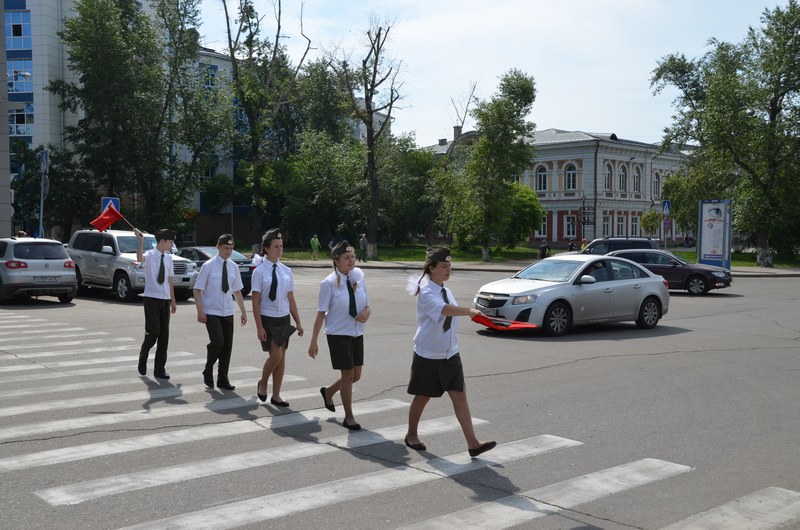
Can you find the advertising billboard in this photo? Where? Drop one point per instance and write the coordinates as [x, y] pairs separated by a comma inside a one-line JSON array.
[[714, 237]]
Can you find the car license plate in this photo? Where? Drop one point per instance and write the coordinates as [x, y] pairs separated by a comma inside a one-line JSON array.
[[489, 312], [44, 279], [243, 269]]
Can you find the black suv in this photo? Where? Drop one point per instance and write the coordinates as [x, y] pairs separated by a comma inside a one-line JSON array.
[[610, 244]]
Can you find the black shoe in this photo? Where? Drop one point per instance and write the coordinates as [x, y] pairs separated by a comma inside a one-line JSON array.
[[419, 446], [262, 397], [162, 375], [330, 406], [142, 365], [278, 403], [351, 426], [482, 449], [208, 379], [224, 384]]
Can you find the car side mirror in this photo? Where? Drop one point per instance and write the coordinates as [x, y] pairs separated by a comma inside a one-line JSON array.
[[107, 250], [586, 278]]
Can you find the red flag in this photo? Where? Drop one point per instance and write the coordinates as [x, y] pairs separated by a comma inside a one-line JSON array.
[[109, 216], [499, 324]]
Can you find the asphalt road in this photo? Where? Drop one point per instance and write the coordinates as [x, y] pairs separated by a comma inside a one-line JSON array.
[[609, 427]]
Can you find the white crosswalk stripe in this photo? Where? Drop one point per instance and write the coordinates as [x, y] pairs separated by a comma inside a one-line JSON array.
[[180, 436], [762, 510], [540, 502], [268, 507], [16, 333], [82, 362], [94, 489], [58, 353], [78, 333], [129, 360]]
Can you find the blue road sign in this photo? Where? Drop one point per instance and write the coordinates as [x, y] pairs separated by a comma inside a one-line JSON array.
[[105, 201], [665, 208]]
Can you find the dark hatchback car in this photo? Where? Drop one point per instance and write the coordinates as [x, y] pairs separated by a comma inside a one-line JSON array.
[[200, 255], [681, 275]]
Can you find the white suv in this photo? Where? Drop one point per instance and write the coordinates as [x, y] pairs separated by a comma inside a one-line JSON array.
[[107, 260]]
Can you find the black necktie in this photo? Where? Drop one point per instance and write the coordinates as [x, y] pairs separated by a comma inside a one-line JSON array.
[[224, 276], [352, 295], [273, 289], [161, 272], [447, 320]]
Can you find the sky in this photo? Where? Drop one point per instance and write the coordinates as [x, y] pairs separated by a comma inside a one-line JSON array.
[[591, 60]]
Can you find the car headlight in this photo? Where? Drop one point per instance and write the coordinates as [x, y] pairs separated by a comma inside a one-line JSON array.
[[718, 274], [524, 299]]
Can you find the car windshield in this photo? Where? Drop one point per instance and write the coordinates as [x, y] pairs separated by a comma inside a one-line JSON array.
[[129, 243], [40, 251], [550, 270], [235, 255]]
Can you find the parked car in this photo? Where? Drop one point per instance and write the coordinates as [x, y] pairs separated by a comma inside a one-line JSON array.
[[567, 290], [200, 255], [680, 275], [609, 244], [107, 260], [35, 267]]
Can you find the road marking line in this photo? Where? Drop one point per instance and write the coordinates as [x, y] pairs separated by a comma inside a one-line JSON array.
[[194, 374], [95, 360], [259, 509], [40, 320], [94, 371], [540, 502], [36, 331], [768, 508], [64, 336], [172, 410], [94, 489], [12, 348], [146, 395]]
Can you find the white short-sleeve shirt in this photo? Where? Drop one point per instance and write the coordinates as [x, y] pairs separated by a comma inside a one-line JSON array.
[[262, 281], [152, 262], [335, 302], [431, 340], [209, 280]]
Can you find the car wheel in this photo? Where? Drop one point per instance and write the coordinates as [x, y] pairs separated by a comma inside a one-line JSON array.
[[82, 289], [122, 288], [697, 285], [64, 298], [181, 295], [557, 319], [649, 314]]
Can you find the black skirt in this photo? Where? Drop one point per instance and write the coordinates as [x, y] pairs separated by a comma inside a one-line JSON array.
[[433, 377], [278, 331]]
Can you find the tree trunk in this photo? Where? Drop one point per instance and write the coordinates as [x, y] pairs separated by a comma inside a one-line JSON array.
[[763, 254], [485, 252]]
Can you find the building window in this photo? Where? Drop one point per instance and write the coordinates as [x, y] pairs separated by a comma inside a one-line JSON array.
[[623, 178], [20, 121], [637, 180], [570, 224], [18, 73], [657, 185], [541, 178], [209, 75], [606, 226], [570, 178], [607, 180], [634, 226], [620, 226], [543, 229], [18, 30]]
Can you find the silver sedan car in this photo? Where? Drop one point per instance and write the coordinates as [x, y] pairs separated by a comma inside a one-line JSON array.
[[566, 290]]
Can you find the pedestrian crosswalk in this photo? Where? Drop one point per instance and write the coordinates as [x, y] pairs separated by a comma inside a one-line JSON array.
[[48, 463]]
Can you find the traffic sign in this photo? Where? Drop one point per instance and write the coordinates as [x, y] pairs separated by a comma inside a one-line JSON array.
[[665, 208], [105, 201], [667, 224]]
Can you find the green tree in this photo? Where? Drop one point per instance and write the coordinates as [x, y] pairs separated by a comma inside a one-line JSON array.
[[265, 82], [652, 219], [148, 124], [500, 153], [739, 105]]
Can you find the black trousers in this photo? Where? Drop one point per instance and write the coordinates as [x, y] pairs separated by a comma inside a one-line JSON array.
[[220, 333], [156, 329]]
